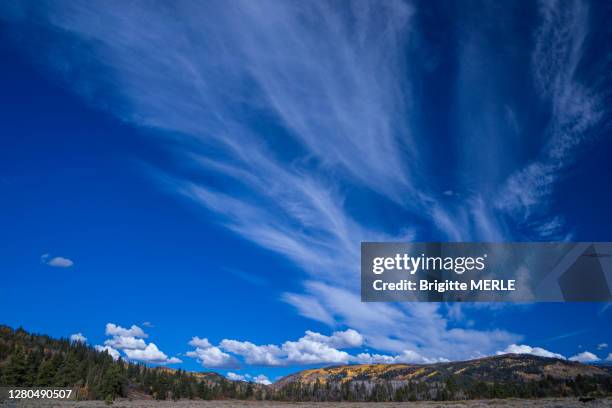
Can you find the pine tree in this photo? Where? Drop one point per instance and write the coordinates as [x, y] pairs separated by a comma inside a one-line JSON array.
[[113, 382], [15, 372]]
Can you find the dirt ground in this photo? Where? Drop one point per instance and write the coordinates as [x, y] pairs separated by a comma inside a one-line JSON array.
[[542, 403]]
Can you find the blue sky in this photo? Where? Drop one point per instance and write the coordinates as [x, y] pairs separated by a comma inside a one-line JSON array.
[[192, 183]]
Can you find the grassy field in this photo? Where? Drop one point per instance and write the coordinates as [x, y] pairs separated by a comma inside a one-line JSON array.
[[508, 403]]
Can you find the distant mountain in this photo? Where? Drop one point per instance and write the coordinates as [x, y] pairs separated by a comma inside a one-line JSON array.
[[29, 360], [505, 376]]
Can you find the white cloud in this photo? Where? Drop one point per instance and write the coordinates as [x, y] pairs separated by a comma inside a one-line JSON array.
[[198, 342], [367, 358], [312, 348], [111, 351], [406, 357], [209, 355], [309, 307], [253, 354], [391, 328], [340, 339], [262, 379], [602, 346], [134, 331], [235, 377], [525, 349], [306, 351], [57, 261], [78, 338], [576, 110], [126, 342], [259, 379], [609, 358], [131, 342], [150, 354], [585, 357]]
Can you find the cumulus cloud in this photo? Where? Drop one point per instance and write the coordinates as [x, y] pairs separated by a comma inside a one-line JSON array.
[[209, 355], [609, 358], [130, 342], [262, 379], [585, 357], [78, 338], [602, 346], [235, 377], [252, 353], [312, 348], [134, 331], [406, 357], [126, 342], [339, 339], [111, 351], [56, 261], [150, 354], [525, 349]]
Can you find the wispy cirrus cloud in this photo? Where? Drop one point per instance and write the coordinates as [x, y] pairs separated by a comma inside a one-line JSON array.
[[575, 107]]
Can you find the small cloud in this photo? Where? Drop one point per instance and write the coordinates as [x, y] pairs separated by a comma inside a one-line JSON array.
[[134, 331], [131, 342], [78, 338], [602, 346], [609, 358], [148, 324], [150, 354], [210, 356], [235, 377], [126, 342], [448, 193], [57, 261], [534, 351], [262, 379], [585, 357]]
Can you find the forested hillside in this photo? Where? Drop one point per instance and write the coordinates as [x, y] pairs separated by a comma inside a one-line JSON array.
[[30, 360], [504, 376]]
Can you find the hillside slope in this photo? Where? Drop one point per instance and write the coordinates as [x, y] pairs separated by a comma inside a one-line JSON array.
[[503, 376]]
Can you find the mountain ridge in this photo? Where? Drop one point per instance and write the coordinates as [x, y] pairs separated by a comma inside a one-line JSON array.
[[502, 376]]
